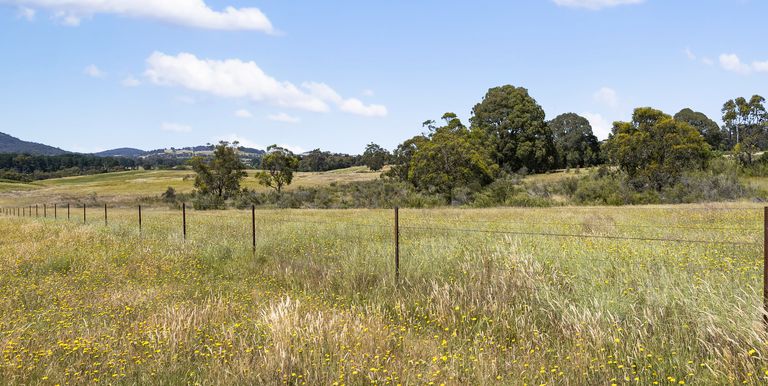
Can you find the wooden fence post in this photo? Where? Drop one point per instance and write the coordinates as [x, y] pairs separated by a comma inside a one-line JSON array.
[[84, 220], [253, 228], [68, 212], [184, 220], [106, 223], [45, 210], [37, 212], [55, 211], [139, 219], [765, 267], [397, 245]]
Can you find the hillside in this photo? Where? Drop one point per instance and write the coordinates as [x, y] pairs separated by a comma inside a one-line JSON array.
[[10, 144], [121, 152], [126, 187]]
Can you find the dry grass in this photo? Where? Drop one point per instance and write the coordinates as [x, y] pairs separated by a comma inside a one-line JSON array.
[[316, 302], [128, 186]]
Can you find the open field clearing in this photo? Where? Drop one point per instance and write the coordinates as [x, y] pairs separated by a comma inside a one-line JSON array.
[[129, 186], [599, 296]]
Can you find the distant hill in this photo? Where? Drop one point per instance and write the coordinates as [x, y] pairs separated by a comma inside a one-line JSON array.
[[9, 144], [128, 152], [204, 150]]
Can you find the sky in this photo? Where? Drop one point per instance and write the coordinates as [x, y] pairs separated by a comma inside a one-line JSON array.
[[89, 75]]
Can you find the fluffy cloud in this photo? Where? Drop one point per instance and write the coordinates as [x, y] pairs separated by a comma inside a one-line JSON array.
[[606, 96], [595, 4], [234, 78], [175, 127], [693, 57], [283, 117], [600, 125], [732, 63], [243, 113], [93, 71], [130, 82], [191, 13], [760, 66], [26, 13]]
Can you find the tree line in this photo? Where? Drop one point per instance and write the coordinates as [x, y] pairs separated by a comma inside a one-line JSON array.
[[508, 134]]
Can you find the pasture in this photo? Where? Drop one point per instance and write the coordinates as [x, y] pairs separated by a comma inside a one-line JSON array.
[[567, 295], [127, 187]]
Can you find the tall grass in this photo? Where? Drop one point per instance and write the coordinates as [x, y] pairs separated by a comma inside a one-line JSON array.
[[316, 302]]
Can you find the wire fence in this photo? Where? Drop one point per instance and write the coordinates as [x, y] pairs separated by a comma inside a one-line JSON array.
[[728, 237]]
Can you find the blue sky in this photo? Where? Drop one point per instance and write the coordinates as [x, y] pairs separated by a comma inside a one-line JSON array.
[[89, 76]]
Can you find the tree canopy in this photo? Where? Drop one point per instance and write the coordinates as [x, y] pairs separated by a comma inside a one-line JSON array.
[[747, 124], [512, 124], [575, 143], [278, 165], [448, 158], [375, 156], [221, 174], [709, 129], [654, 149]]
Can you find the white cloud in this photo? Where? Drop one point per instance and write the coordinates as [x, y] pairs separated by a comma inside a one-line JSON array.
[[175, 127], [130, 82], [242, 141], [355, 106], [351, 105], [93, 71], [707, 61], [191, 13], [595, 4], [601, 127], [283, 117], [294, 149], [606, 96], [26, 13], [243, 113], [760, 66], [731, 62], [234, 78], [689, 54]]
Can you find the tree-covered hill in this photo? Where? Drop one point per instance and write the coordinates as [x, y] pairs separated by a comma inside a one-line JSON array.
[[10, 144]]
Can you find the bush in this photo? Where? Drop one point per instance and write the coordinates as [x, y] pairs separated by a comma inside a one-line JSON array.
[[527, 200], [208, 202], [705, 186]]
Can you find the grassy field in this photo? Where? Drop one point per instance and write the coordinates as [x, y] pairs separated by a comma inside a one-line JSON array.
[[126, 187], [484, 298]]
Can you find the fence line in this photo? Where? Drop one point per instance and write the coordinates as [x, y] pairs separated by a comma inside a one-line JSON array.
[[397, 229], [581, 236], [614, 225]]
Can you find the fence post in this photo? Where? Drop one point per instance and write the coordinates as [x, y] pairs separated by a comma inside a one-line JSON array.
[[397, 245], [184, 220], [68, 212], [253, 228], [55, 211], [106, 223], [45, 211], [84, 221], [139, 219], [765, 266], [37, 212]]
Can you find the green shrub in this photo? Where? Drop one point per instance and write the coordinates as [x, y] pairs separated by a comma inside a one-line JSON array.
[[208, 202]]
